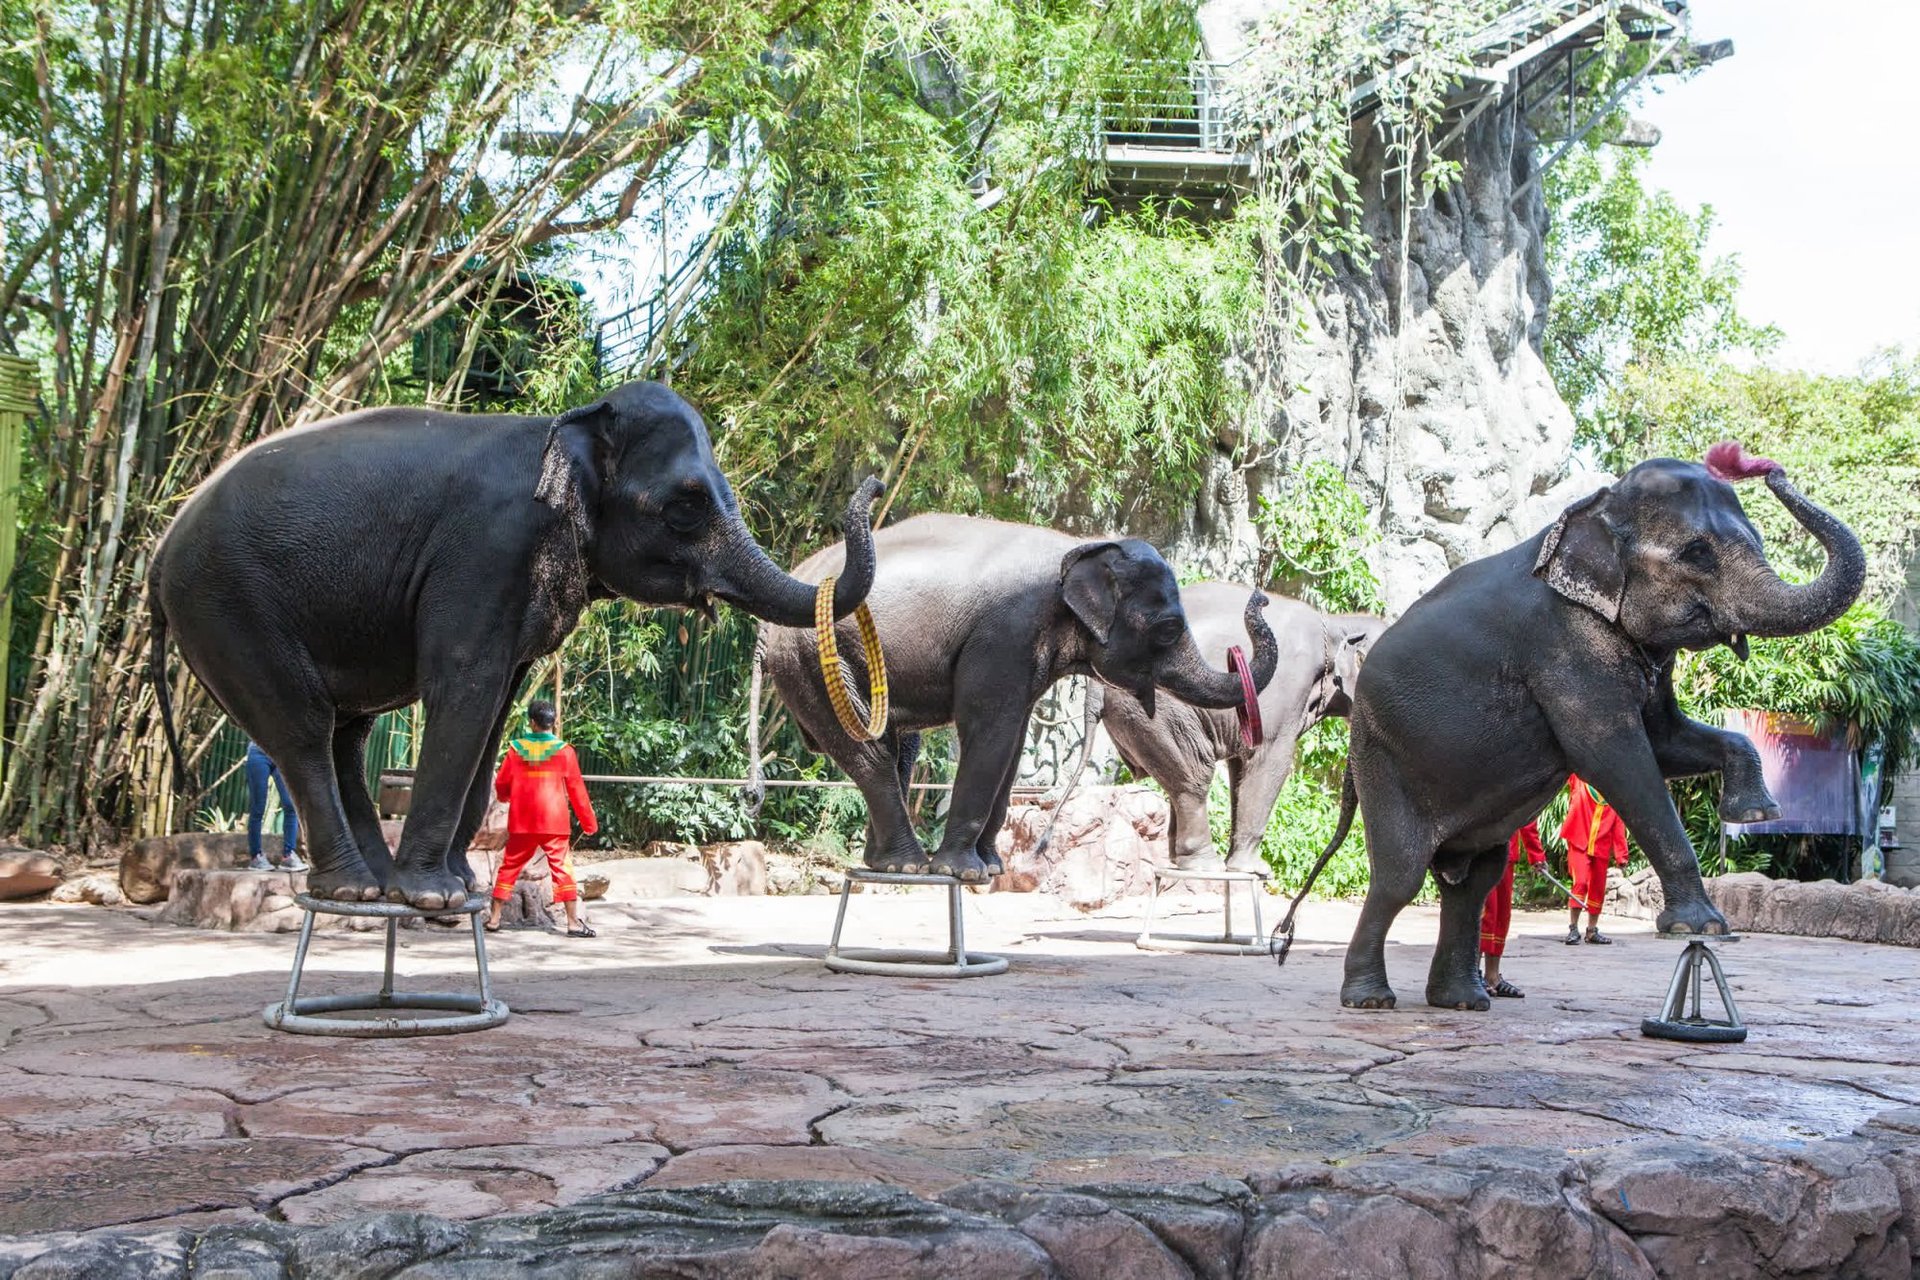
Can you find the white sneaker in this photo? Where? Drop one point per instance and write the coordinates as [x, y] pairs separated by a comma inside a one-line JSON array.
[[292, 863], [259, 863]]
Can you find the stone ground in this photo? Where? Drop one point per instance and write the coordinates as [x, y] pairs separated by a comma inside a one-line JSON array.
[[701, 1044]]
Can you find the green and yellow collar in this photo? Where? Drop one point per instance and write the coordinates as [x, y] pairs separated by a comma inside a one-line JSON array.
[[537, 748]]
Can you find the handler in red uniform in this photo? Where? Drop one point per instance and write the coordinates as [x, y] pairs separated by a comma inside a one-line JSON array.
[[538, 780], [1595, 836], [1498, 915]]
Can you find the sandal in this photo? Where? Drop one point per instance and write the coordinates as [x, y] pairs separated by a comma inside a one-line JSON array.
[[1598, 939], [1508, 990], [490, 928], [582, 931], [1573, 937]]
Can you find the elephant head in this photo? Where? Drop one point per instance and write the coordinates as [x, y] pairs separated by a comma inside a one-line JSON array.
[[1348, 636], [1669, 556], [635, 472], [1123, 598]]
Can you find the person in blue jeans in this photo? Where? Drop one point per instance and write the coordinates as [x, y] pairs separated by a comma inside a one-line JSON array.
[[259, 770]]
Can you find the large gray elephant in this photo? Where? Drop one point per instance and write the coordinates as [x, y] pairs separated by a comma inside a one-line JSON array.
[[332, 572], [1182, 745], [1556, 657], [978, 618]]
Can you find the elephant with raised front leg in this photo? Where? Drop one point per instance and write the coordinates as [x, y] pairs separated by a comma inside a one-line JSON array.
[[1556, 657], [978, 618], [329, 573], [1182, 745]]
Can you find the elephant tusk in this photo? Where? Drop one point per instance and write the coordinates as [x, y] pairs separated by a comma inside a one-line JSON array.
[[838, 692], [1252, 732]]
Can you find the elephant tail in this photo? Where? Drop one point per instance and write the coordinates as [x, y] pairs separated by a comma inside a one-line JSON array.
[[1282, 939], [157, 672], [1095, 703], [755, 792]]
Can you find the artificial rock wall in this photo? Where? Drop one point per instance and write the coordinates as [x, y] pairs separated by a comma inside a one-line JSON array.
[[1421, 377]]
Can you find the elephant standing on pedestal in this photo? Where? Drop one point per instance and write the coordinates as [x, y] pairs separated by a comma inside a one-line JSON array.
[[331, 572], [978, 618], [1181, 746], [1556, 657]]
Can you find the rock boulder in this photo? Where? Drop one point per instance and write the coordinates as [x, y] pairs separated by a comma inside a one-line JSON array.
[[147, 869], [1104, 846], [26, 874]]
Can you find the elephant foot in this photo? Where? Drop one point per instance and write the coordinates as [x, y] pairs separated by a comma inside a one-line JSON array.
[[905, 856], [428, 890], [1739, 811], [1467, 995], [964, 866], [1697, 916], [990, 859], [1202, 859], [1247, 860], [342, 884], [463, 871], [1367, 993]]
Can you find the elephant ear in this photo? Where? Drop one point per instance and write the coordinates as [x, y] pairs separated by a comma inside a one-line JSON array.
[[1088, 586], [558, 487], [1581, 557]]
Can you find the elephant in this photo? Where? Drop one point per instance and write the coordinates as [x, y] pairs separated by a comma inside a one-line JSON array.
[[1555, 657], [334, 571], [1179, 748], [978, 618]]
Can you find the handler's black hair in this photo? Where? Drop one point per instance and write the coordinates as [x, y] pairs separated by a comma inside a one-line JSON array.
[[540, 714]]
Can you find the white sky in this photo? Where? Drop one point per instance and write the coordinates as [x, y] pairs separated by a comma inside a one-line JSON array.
[[1803, 144]]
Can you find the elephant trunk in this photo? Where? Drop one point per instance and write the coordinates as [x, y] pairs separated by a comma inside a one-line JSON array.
[[1186, 675], [1774, 607], [745, 577]]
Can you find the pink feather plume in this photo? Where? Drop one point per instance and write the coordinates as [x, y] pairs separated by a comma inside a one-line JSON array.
[[1728, 461]]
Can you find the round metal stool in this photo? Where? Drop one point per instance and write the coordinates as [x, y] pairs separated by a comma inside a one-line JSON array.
[[955, 962], [1681, 1017], [1226, 942], [311, 1015]]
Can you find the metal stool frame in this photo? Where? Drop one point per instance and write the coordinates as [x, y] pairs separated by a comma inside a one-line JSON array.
[[1227, 942], [1681, 1016], [955, 962], [308, 1016]]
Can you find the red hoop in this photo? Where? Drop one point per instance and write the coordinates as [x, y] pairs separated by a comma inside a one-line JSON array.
[[1252, 732]]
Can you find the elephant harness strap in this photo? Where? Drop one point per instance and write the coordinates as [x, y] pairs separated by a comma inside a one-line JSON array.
[[838, 692]]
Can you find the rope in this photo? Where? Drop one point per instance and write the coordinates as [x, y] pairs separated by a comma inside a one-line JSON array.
[[661, 780], [838, 691]]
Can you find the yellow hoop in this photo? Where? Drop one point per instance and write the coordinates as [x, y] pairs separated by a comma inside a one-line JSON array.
[[838, 691]]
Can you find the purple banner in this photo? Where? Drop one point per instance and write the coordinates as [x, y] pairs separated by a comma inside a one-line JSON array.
[[1815, 776]]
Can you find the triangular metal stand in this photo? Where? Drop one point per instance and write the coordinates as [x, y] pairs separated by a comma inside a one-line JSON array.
[[1681, 1017]]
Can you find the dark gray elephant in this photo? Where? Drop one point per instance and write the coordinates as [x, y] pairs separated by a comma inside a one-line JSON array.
[[1180, 747], [1556, 657], [978, 618], [332, 572]]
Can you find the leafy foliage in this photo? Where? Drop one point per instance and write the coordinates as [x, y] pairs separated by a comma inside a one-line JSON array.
[[1314, 534]]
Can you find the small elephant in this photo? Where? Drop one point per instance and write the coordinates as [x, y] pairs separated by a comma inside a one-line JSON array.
[[329, 573], [1179, 748], [1556, 657], [978, 618]]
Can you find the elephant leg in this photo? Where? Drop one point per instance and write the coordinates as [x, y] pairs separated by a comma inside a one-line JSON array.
[[875, 768], [461, 714], [1256, 785], [1189, 834], [1453, 982], [909, 750], [989, 753], [1685, 748], [1400, 846], [987, 847], [1623, 766], [350, 774], [480, 794]]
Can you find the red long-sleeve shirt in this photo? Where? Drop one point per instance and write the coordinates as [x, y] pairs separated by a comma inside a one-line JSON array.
[[538, 780], [1526, 838], [1592, 825]]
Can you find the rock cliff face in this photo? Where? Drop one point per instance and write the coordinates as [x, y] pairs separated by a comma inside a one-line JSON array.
[[1420, 377]]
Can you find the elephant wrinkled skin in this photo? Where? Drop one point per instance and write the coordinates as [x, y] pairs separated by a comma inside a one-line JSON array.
[[1556, 656], [329, 573]]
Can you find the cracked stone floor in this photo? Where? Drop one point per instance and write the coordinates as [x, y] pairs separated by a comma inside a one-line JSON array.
[[697, 1040]]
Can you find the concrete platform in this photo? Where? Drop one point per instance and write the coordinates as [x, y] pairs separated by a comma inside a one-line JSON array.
[[693, 1093]]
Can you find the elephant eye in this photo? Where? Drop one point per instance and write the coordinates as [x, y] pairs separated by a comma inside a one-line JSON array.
[[1167, 632], [1699, 554], [686, 513]]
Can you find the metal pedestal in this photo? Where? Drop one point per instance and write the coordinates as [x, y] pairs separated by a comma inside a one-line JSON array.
[[313, 1015], [1682, 1017], [1226, 942], [955, 962]]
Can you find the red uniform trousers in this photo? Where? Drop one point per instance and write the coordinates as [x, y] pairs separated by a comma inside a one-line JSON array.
[[1589, 874], [521, 846], [1497, 916]]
